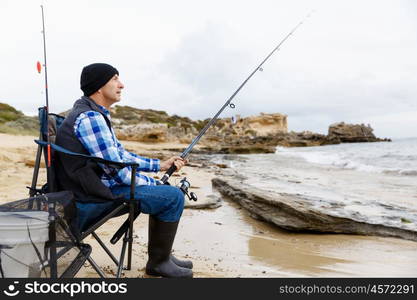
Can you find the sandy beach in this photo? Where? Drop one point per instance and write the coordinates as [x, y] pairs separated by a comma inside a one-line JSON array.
[[226, 241]]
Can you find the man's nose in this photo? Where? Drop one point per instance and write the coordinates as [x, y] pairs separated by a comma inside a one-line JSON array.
[[121, 85]]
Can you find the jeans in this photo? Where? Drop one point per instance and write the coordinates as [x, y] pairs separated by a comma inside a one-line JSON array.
[[164, 202]]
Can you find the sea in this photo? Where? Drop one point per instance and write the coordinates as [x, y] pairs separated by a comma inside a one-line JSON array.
[[368, 182]]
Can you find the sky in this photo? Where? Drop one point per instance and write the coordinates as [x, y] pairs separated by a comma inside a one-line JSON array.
[[352, 61]]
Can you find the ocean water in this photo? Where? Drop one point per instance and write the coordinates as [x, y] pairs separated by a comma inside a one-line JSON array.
[[367, 182], [397, 157]]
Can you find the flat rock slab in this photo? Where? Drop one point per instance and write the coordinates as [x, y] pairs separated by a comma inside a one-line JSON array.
[[296, 213], [209, 202]]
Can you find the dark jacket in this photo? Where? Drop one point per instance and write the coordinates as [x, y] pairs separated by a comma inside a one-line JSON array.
[[80, 175]]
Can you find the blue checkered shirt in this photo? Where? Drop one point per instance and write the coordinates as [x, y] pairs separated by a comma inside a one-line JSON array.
[[91, 129]]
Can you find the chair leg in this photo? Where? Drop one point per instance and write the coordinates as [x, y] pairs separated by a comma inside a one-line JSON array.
[[130, 239], [32, 191], [122, 257], [132, 209], [129, 254], [96, 267], [105, 248]]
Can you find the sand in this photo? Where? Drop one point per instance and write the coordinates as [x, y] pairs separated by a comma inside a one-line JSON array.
[[226, 241]]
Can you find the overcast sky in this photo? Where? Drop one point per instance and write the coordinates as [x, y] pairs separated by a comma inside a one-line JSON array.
[[352, 61]]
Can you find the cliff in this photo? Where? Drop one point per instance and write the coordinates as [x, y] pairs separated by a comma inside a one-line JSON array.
[[225, 136], [253, 134]]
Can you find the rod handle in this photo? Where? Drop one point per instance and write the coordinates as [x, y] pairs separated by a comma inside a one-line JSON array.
[[168, 173]]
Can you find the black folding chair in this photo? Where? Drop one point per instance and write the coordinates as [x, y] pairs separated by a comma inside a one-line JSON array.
[[49, 125]]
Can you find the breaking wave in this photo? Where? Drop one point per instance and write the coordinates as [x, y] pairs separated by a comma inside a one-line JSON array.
[[390, 158]]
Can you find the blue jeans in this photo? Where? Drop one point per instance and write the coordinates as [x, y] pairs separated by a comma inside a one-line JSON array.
[[164, 202]]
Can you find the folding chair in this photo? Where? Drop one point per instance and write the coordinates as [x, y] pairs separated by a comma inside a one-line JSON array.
[[49, 125]]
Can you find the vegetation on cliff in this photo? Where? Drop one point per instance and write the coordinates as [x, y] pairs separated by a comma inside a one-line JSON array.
[[128, 115], [9, 113], [13, 121]]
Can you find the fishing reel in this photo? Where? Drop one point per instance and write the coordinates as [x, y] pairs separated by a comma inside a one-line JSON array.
[[183, 186]]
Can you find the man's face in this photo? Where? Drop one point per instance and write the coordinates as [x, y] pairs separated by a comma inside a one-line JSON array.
[[112, 90]]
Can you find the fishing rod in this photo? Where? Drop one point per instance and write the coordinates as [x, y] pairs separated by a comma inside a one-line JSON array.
[[229, 103], [184, 184], [51, 205]]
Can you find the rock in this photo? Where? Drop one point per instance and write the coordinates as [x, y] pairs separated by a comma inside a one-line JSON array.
[[294, 213], [303, 139], [352, 133], [148, 125], [262, 144], [262, 125], [210, 202], [144, 132], [221, 166], [252, 134]]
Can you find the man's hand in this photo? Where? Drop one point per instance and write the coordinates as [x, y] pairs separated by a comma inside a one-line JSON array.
[[176, 160]]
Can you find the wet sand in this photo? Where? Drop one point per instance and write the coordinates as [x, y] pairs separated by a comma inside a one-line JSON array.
[[226, 241]]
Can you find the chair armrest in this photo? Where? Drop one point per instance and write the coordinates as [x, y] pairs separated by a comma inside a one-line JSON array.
[[110, 163]]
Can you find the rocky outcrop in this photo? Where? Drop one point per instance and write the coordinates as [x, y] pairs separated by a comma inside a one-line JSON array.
[[147, 132], [303, 139], [152, 126], [208, 202], [236, 135], [157, 126], [255, 143], [296, 213], [263, 144], [252, 126], [352, 133]]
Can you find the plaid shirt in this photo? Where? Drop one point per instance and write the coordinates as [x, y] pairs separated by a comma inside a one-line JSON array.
[[91, 129]]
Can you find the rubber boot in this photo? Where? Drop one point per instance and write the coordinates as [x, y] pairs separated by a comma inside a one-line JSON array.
[[161, 238], [182, 263]]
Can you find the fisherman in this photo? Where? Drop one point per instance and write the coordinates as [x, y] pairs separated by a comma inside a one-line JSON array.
[[88, 129]]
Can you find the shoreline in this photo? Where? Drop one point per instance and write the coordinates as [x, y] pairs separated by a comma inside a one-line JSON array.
[[226, 241]]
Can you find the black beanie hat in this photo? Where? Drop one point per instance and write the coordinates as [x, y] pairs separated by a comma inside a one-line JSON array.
[[94, 76]]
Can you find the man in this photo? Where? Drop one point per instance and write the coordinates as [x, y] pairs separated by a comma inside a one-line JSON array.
[[87, 129]]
